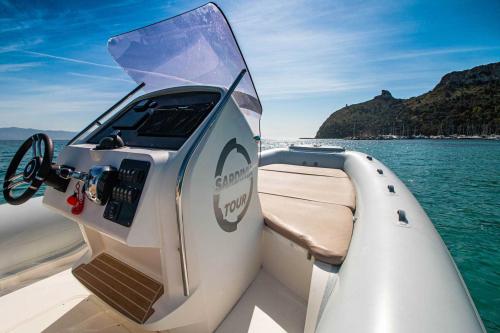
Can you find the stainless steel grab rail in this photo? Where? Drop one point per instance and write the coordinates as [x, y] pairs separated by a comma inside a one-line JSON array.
[[205, 131]]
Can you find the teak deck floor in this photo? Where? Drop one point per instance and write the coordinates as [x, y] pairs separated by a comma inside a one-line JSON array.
[[121, 286]]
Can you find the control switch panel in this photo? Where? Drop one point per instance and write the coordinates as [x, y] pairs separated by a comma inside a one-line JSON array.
[[127, 191]]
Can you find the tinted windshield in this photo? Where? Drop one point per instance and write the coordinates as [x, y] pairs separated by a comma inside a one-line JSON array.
[[195, 48]]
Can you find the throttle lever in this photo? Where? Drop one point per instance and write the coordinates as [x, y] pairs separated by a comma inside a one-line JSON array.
[[67, 173]]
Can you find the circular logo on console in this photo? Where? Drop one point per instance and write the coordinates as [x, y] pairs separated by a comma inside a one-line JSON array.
[[233, 185]]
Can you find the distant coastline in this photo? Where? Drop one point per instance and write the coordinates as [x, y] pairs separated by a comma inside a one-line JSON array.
[[18, 133], [416, 137], [427, 137]]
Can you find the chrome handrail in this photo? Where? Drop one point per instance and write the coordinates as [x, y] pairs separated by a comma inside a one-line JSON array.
[[204, 132]]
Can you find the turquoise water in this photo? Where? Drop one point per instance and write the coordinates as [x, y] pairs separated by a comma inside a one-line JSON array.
[[456, 182]]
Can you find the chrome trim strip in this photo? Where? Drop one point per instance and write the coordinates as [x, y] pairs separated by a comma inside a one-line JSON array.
[[205, 131]]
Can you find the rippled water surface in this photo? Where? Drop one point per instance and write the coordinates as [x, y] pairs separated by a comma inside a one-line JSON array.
[[457, 183]]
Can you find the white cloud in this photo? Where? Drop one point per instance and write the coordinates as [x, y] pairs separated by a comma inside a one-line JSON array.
[[67, 106], [433, 52], [296, 49], [100, 77], [74, 60], [16, 67], [17, 46]]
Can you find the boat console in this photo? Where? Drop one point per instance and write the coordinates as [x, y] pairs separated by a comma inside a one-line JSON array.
[[126, 199], [153, 190], [163, 187]]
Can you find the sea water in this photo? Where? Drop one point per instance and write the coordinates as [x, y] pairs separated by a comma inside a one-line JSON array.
[[457, 182]]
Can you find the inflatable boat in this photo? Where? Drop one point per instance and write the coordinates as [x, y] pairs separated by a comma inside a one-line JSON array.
[[162, 215]]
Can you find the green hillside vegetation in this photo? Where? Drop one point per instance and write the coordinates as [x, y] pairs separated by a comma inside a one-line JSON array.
[[463, 103]]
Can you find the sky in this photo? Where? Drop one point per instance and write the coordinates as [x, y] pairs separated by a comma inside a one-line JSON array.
[[307, 58]]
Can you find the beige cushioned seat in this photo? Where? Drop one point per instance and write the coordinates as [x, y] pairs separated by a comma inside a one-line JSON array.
[[303, 184], [311, 206]]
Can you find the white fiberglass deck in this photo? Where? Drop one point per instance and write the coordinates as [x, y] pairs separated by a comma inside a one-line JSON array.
[[58, 304], [266, 306]]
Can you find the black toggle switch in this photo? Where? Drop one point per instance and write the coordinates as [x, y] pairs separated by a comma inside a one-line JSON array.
[[126, 193], [112, 211]]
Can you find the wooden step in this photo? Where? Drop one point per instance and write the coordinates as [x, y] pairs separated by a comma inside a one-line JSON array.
[[121, 286]]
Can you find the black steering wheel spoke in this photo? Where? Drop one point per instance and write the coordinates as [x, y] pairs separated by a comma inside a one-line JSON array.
[[33, 173], [15, 177], [12, 185], [36, 146]]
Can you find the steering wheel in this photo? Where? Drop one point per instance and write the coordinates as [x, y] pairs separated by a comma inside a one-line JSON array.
[[35, 172]]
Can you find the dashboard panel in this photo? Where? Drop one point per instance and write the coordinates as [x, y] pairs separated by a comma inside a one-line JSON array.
[[132, 191], [126, 192], [164, 122]]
